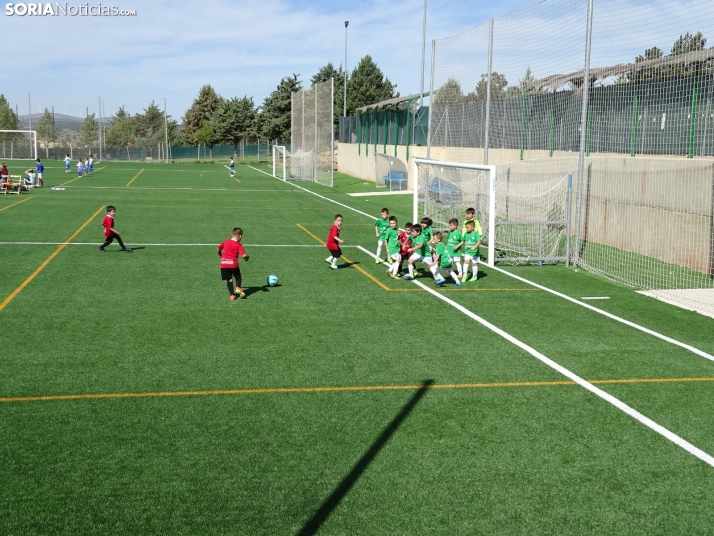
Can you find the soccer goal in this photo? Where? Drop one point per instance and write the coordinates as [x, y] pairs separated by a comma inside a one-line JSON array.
[[525, 218], [18, 144], [390, 172], [280, 161]]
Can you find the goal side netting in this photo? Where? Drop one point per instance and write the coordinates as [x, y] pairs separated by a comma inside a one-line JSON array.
[[18, 144], [312, 133], [525, 217]]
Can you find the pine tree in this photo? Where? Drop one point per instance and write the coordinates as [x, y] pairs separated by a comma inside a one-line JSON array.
[[88, 132], [201, 111], [234, 121], [8, 120], [449, 94], [367, 85], [274, 118], [46, 130]]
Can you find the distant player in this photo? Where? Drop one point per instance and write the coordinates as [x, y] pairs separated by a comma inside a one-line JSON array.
[[80, 167], [392, 239], [233, 168], [67, 163], [229, 251], [472, 241], [380, 230], [333, 243], [110, 233], [454, 243], [442, 259], [40, 167], [86, 166], [29, 181], [91, 164]]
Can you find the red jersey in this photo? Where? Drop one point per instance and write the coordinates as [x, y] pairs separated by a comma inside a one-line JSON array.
[[229, 250], [108, 224], [331, 243], [405, 242]]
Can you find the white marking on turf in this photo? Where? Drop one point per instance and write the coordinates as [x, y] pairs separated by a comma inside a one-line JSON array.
[[600, 311], [674, 438], [194, 189], [612, 316], [595, 298]]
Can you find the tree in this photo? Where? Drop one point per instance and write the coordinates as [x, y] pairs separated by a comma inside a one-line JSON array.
[[498, 86], [121, 131], [8, 120], [235, 120], [688, 43], [449, 94], [205, 134], [89, 131], [202, 109], [338, 75], [274, 118], [46, 130], [149, 128], [367, 85]]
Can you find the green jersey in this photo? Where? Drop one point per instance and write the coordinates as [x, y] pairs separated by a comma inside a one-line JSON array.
[[444, 257], [392, 238], [382, 225], [471, 240], [418, 244], [455, 238], [428, 234], [477, 226]]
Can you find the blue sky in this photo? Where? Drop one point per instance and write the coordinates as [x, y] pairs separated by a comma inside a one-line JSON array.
[[171, 49]]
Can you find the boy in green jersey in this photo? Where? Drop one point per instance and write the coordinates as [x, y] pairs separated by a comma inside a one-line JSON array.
[[472, 240], [380, 231], [471, 216], [426, 224], [393, 245], [454, 243], [442, 259], [416, 250]]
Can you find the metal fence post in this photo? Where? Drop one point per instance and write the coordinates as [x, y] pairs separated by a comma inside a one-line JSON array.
[[488, 91]]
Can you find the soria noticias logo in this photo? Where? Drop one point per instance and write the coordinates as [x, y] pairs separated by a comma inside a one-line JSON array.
[[58, 9]]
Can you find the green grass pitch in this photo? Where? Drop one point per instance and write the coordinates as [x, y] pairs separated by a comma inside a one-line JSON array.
[[135, 398]]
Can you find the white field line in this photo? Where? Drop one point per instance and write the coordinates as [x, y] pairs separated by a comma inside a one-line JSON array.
[[193, 189], [692, 349], [674, 438], [199, 245], [595, 298]]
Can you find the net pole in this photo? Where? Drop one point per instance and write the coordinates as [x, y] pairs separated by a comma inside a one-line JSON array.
[[415, 201], [488, 91], [569, 202], [332, 132], [423, 58], [431, 99], [273, 161], [492, 218], [583, 128], [314, 167]]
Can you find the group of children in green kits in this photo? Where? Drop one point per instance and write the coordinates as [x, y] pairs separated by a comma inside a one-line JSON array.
[[418, 243]]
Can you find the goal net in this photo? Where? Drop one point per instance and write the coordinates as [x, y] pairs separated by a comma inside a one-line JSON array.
[[312, 133], [525, 216], [279, 162], [18, 144], [390, 172]]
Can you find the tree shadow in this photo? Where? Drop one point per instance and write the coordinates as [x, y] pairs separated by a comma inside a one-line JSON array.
[[321, 515]]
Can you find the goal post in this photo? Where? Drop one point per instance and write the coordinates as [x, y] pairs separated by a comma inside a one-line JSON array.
[[442, 190], [524, 208], [280, 160], [18, 144]]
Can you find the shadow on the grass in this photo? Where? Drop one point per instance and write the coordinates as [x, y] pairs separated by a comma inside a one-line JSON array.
[[316, 521], [252, 290]]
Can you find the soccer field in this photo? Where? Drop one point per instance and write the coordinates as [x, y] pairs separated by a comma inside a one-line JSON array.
[[135, 398]]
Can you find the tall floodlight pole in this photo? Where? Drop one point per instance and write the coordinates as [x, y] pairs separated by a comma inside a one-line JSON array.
[[166, 130], [344, 110], [29, 103], [100, 127]]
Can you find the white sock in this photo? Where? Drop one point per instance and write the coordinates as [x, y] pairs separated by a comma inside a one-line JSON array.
[[454, 276], [475, 269], [330, 258], [435, 271], [459, 270], [411, 269], [379, 248]]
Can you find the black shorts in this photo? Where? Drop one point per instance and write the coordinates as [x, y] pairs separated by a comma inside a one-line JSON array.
[[336, 253], [229, 273]]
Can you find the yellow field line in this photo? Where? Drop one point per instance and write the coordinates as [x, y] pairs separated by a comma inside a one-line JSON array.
[[10, 206], [352, 265], [135, 176], [236, 179], [76, 178], [41, 267], [348, 388]]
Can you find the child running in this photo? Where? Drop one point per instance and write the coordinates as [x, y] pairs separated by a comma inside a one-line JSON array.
[[232, 168], [110, 233], [380, 231], [393, 246], [472, 240], [442, 259], [333, 243], [454, 243], [229, 251]]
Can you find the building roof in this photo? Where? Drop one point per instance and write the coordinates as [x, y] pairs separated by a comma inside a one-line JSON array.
[[390, 102]]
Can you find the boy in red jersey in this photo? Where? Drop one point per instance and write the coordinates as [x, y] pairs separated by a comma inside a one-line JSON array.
[[110, 233], [405, 242], [229, 251], [333, 243]]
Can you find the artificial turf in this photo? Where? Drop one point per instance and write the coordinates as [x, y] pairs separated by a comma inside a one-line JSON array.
[[500, 443]]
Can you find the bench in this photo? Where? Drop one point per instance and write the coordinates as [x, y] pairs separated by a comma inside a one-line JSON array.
[[396, 177]]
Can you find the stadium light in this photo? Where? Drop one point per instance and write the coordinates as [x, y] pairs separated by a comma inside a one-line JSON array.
[[344, 110]]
